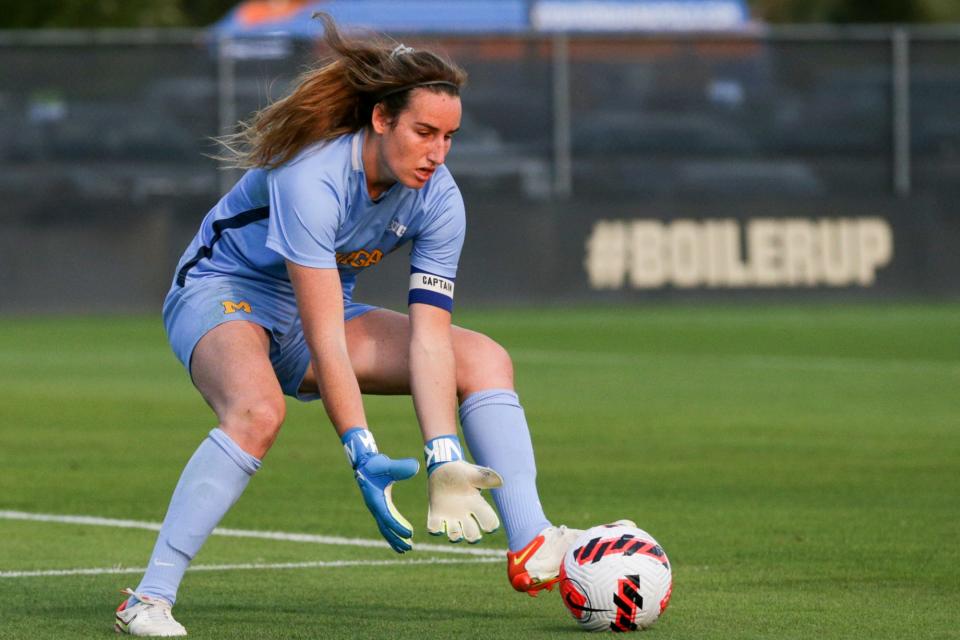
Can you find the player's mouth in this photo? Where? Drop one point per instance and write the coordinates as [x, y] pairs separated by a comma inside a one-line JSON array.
[[423, 174]]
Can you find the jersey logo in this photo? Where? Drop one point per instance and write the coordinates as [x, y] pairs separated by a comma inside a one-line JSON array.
[[360, 259], [397, 228], [233, 307]]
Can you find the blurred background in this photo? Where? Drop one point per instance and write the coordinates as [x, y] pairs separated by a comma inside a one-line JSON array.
[[615, 151]]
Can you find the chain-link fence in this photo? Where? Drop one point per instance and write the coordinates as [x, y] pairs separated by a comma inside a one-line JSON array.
[[105, 136]]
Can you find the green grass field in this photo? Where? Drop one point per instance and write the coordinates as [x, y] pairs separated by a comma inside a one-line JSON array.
[[800, 465]]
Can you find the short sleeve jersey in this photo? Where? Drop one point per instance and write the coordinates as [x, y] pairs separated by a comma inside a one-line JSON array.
[[316, 211]]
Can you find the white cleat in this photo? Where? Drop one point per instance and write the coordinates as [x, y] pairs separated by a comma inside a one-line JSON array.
[[537, 565], [624, 523], [148, 617]]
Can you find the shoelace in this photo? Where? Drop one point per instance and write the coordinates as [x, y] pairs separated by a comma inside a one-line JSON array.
[[562, 532]]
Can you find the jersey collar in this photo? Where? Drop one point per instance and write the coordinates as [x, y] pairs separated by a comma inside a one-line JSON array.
[[355, 152]]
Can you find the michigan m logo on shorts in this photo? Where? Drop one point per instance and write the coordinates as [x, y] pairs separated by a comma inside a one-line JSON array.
[[233, 307]]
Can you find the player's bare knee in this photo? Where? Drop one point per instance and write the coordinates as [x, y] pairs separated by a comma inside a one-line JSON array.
[[482, 363], [255, 425], [499, 360]]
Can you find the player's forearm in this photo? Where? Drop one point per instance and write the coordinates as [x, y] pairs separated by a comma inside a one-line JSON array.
[[320, 301], [339, 389], [433, 384]]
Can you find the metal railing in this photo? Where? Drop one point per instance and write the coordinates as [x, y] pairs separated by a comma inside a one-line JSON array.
[[760, 84]]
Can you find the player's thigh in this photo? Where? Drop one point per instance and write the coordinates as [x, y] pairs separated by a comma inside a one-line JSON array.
[[379, 342], [231, 368], [379, 346]]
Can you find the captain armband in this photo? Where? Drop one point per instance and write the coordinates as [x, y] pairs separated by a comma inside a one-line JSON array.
[[427, 288]]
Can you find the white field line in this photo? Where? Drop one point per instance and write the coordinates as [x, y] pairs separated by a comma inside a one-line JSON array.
[[247, 533], [791, 363], [250, 566]]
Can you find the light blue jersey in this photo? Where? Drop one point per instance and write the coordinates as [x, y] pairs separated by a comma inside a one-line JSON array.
[[314, 211]]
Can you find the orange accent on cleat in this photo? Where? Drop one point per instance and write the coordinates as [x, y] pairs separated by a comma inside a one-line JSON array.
[[517, 570]]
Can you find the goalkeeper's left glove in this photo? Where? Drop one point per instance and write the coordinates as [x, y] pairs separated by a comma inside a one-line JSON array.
[[375, 474], [456, 506]]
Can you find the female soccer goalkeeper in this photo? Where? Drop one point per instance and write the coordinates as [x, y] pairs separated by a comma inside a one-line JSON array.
[[343, 171]]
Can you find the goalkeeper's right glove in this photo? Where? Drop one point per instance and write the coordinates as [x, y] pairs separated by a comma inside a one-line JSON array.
[[375, 474]]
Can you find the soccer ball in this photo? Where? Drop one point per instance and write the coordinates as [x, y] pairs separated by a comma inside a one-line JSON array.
[[616, 577]]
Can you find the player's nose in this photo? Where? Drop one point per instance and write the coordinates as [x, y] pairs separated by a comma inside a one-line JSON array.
[[437, 152]]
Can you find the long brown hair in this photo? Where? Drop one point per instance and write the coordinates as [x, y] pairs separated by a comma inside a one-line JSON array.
[[338, 97]]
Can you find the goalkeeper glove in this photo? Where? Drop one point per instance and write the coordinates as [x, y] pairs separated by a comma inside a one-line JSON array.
[[456, 506], [375, 474]]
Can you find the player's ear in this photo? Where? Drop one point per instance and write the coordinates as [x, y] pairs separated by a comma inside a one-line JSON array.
[[380, 119]]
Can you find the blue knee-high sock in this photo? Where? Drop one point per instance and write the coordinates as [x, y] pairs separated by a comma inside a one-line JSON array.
[[210, 484], [496, 432]]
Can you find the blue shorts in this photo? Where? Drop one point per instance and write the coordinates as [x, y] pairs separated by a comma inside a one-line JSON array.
[[189, 312]]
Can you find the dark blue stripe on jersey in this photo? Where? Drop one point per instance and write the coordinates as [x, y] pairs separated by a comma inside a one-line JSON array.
[[219, 226], [425, 296]]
